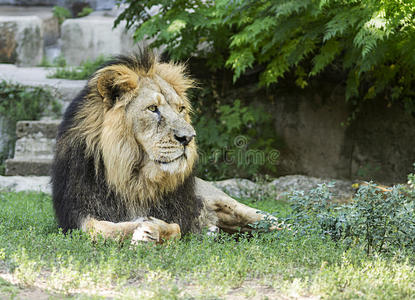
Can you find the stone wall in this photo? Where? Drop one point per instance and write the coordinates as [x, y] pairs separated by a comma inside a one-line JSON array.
[[21, 40], [91, 36], [95, 4], [378, 145], [29, 34]]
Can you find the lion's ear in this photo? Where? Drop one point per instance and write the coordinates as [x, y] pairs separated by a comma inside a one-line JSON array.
[[115, 81]]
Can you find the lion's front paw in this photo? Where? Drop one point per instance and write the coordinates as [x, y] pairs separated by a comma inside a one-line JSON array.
[[146, 232], [212, 231], [154, 230]]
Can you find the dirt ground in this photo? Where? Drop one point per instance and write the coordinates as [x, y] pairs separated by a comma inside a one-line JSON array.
[[10, 289]]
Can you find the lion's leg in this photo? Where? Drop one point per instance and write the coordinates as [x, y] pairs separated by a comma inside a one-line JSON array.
[[108, 230], [143, 229], [231, 215]]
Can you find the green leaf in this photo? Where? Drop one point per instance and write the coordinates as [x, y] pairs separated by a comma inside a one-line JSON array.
[[327, 54]]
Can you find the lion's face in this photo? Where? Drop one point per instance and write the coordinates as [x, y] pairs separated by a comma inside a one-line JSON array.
[[135, 122], [161, 125]]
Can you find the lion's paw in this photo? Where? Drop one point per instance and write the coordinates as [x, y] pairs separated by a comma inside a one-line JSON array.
[[146, 232], [212, 231]]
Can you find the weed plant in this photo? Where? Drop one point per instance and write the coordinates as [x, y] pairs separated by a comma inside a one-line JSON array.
[[84, 71], [61, 13], [19, 102], [376, 221]]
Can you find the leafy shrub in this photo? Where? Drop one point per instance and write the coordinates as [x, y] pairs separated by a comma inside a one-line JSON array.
[[368, 43], [233, 141], [85, 11], [61, 13], [384, 221], [234, 125], [374, 220], [19, 102], [84, 71], [78, 9]]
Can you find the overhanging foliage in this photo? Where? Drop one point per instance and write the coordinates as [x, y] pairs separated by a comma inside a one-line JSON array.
[[368, 42]]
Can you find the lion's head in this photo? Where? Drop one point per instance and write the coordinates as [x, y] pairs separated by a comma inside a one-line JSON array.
[[135, 122]]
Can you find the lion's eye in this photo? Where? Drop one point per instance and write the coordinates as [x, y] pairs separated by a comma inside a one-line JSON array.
[[182, 108], [152, 108]]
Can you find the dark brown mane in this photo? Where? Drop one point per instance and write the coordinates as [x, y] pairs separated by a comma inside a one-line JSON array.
[[81, 184]]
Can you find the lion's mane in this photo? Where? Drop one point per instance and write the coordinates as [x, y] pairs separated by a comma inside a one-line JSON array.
[[97, 170]]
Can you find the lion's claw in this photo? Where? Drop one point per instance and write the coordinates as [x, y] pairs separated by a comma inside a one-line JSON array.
[[145, 232]]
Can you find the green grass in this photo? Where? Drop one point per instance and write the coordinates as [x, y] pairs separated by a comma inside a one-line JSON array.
[[35, 253], [8, 289], [84, 71]]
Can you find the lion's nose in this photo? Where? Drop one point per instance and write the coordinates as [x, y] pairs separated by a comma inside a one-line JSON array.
[[183, 138]]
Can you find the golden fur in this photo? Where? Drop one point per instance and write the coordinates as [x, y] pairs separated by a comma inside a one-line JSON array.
[[107, 130]]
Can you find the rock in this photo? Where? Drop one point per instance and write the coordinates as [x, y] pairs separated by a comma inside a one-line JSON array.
[[50, 23], [35, 146], [102, 4], [95, 4], [36, 140], [21, 40], [87, 38], [236, 187], [46, 128], [34, 149], [64, 90], [281, 187], [342, 189], [51, 30], [30, 2], [31, 183], [28, 166]]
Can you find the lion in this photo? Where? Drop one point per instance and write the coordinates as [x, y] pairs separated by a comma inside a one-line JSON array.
[[125, 157]]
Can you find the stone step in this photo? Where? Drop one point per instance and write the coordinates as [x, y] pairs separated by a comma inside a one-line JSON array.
[[26, 183], [63, 89], [36, 139], [95, 4], [34, 148], [28, 167], [43, 128]]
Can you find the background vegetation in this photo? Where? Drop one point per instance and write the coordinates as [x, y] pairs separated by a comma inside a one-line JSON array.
[[369, 42], [19, 102], [249, 50], [81, 72]]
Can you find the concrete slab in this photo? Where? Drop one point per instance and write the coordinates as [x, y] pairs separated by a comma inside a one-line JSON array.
[[65, 90], [23, 183], [34, 147], [50, 23], [91, 36], [28, 167], [46, 128], [31, 2], [43, 12], [21, 40]]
